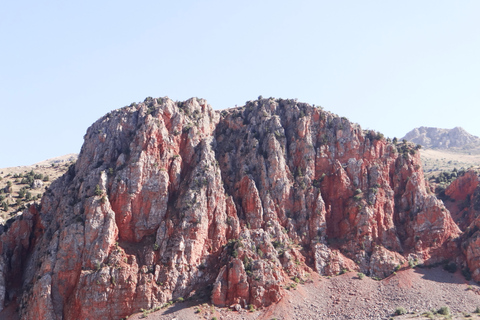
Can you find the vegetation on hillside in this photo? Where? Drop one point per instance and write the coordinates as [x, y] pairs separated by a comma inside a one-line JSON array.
[[22, 186]]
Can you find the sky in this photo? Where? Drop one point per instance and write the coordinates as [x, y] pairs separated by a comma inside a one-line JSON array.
[[390, 66]]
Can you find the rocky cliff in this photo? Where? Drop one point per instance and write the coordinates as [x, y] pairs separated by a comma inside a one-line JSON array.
[[168, 198], [436, 138], [463, 200]]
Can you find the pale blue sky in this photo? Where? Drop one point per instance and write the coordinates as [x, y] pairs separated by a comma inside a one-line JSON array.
[[387, 65]]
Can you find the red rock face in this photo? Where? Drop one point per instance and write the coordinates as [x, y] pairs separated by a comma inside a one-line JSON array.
[[168, 198], [464, 203], [463, 187]]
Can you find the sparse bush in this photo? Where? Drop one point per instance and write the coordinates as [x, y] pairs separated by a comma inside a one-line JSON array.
[[98, 190], [358, 197], [450, 267], [400, 310], [445, 310], [260, 253], [22, 193], [276, 244], [360, 275]]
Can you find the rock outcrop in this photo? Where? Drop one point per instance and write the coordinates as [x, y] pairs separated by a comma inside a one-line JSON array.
[[462, 198], [168, 198], [464, 203], [436, 138], [463, 187]]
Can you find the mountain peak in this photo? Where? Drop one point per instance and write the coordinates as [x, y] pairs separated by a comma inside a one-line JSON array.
[[438, 138]]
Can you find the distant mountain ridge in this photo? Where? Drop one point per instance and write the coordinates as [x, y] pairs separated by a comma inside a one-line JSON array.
[[437, 138]]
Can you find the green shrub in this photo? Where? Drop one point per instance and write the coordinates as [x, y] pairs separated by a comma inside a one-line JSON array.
[[98, 191], [360, 275], [444, 311], [358, 197], [400, 310], [22, 193]]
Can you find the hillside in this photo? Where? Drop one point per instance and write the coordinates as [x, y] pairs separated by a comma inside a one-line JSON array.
[[21, 186], [171, 201], [445, 150]]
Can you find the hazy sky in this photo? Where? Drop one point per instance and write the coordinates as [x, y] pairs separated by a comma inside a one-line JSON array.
[[387, 65]]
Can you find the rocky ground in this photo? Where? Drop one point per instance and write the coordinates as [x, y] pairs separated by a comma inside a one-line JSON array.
[[418, 291]]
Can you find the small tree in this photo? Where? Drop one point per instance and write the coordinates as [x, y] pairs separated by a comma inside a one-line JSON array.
[[98, 190], [21, 193]]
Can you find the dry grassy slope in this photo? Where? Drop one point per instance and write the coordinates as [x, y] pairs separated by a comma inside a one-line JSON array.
[[53, 168], [435, 161]]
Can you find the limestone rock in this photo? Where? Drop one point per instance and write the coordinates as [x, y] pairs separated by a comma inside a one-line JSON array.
[[37, 184]]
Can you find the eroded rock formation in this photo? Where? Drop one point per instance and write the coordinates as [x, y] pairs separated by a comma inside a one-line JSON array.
[[167, 198]]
